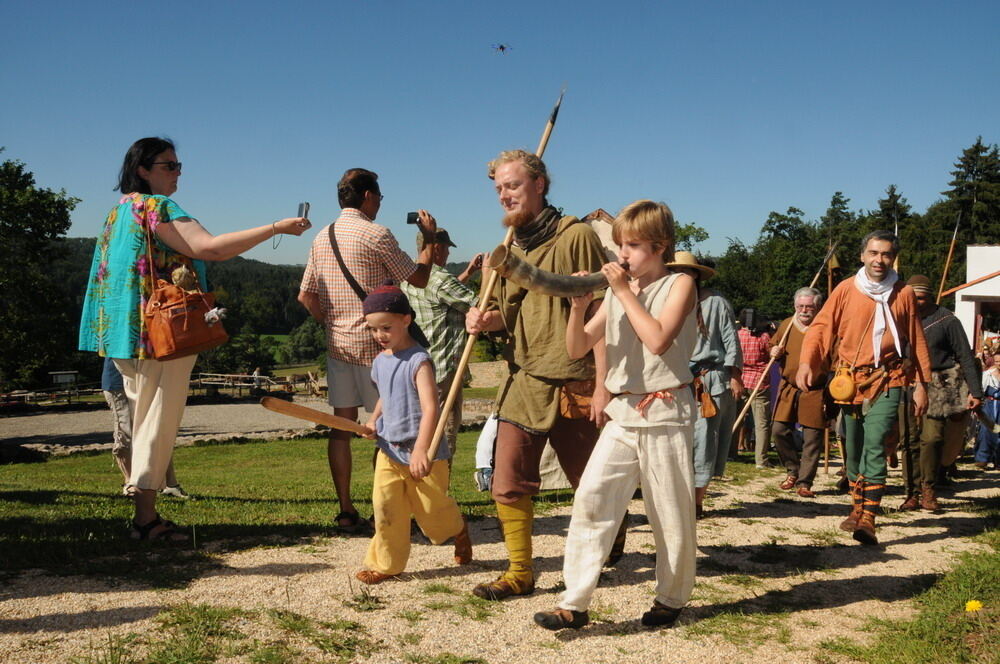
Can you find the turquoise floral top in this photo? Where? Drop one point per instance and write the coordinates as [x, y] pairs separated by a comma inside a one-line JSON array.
[[112, 322]]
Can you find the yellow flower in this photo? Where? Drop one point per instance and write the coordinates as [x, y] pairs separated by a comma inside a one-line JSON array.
[[973, 605]]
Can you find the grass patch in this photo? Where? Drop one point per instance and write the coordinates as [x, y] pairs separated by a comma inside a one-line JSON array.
[[444, 658], [943, 631], [66, 515], [438, 589], [742, 580], [744, 629], [467, 606], [365, 600], [116, 650], [480, 392]]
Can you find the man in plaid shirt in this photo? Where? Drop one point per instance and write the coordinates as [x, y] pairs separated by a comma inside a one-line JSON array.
[[440, 309], [756, 346], [372, 256]]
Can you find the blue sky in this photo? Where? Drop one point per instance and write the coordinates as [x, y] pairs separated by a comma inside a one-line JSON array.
[[725, 110]]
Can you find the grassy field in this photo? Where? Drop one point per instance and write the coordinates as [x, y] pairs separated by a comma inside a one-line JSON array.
[[55, 514]]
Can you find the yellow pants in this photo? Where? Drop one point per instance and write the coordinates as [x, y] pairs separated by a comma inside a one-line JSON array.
[[396, 496]]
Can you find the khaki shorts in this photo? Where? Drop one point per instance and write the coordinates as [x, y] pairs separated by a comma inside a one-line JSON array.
[[350, 385]]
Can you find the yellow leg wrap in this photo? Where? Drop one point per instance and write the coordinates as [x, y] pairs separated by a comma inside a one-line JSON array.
[[516, 520]]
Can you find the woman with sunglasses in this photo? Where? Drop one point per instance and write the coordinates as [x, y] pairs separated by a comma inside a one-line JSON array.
[[119, 285]]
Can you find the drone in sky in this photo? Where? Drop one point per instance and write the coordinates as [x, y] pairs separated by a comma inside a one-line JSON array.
[[501, 49]]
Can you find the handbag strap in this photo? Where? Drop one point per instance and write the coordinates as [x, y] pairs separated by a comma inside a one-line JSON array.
[[355, 286], [151, 266]]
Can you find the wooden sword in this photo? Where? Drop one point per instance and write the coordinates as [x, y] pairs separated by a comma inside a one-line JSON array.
[[313, 415]]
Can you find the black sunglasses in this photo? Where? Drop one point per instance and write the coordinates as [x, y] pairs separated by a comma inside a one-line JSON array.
[[171, 165]]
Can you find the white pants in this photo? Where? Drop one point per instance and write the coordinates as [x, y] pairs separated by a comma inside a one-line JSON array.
[[157, 393], [662, 458]]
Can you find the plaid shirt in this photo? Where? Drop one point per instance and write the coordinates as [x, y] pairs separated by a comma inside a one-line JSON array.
[[756, 354], [372, 256], [440, 308]]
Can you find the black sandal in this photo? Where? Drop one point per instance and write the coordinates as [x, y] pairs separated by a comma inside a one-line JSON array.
[[562, 619], [170, 531]]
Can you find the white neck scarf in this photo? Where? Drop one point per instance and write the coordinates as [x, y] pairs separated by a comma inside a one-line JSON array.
[[880, 292]]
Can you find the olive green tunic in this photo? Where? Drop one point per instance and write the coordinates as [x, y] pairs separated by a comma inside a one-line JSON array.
[[536, 328]]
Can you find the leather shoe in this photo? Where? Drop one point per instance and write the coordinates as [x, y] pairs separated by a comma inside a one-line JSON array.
[[789, 483], [504, 587], [660, 616], [911, 504], [805, 492], [561, 619]]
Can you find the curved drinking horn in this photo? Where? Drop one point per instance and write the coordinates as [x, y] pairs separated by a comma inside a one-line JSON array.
[[528, 276]]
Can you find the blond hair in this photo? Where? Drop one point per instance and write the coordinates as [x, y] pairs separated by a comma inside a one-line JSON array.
[[534, 165], [646, 221]]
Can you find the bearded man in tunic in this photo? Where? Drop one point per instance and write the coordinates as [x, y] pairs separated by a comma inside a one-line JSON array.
[[543, 378]]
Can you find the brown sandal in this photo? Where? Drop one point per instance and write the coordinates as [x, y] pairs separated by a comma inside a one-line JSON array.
[[562, 619], [463, 545], [168, 532], [371, 577]]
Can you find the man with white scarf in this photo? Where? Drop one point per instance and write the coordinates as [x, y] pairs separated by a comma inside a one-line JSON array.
[[872, 324]]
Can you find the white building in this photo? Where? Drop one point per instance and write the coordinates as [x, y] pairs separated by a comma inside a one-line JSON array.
[[972, 302]]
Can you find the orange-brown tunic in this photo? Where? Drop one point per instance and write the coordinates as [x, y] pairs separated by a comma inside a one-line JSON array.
[[847, 320], [794, 405]]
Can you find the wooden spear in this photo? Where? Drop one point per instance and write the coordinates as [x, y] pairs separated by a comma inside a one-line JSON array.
[[485, 293], [781, 344], [980, 280], [947, 263]]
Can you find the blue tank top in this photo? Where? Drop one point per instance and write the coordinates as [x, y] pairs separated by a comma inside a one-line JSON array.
[[395, 375]]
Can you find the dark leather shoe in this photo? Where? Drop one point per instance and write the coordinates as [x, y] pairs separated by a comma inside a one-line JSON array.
[[562, 619], [805, 492], [503, 588], [660, 616], [910, 504]]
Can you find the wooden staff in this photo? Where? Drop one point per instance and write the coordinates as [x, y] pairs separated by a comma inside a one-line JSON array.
[[781, 344], [971, 283], [947, 263], [485, 293], [826, 450]]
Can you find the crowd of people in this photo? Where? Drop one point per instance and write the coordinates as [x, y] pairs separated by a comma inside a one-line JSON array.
[[639, 383]]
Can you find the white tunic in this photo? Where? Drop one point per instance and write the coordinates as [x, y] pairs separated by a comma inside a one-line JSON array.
[[635, 370]]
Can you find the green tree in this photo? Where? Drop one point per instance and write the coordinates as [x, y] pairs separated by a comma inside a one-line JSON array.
[[35, 331], [688, 235], [975, 188]]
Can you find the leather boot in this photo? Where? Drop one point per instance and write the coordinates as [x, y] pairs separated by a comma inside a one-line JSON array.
[[928, 501], [872, 502], [911, 503], [850, 524], [519, 579]]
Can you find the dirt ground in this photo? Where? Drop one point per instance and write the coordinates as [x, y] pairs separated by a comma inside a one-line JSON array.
[[775, 578]]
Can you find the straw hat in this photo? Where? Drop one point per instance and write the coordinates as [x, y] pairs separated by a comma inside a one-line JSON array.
[[685, 259]]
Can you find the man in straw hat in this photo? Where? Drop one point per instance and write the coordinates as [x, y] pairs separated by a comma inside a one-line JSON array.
[[872, 318], [955, 388], [795, 406], [716, 365], [544, 381]]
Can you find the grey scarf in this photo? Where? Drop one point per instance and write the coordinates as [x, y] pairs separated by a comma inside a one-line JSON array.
[[539, 230]]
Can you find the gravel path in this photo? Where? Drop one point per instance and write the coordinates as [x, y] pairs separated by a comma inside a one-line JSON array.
[[775, 578]]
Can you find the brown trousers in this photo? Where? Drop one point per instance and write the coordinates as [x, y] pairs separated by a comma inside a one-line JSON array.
[[518, 453], [812, 445]]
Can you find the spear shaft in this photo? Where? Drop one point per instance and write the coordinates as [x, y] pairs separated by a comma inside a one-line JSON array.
[[485, 293], [781, 344], [947, 263]]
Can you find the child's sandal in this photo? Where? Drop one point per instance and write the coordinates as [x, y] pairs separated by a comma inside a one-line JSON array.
[[371, 577]]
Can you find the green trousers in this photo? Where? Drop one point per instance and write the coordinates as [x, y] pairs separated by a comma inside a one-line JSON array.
[[866, 434]]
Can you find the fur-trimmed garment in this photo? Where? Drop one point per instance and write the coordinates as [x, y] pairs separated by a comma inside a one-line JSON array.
[[947, 393]]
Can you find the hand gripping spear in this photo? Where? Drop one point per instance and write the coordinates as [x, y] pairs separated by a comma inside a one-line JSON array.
[[781, 344], [484, 299]]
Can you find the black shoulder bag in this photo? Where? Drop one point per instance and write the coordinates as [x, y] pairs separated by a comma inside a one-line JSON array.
[[413, 329]]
